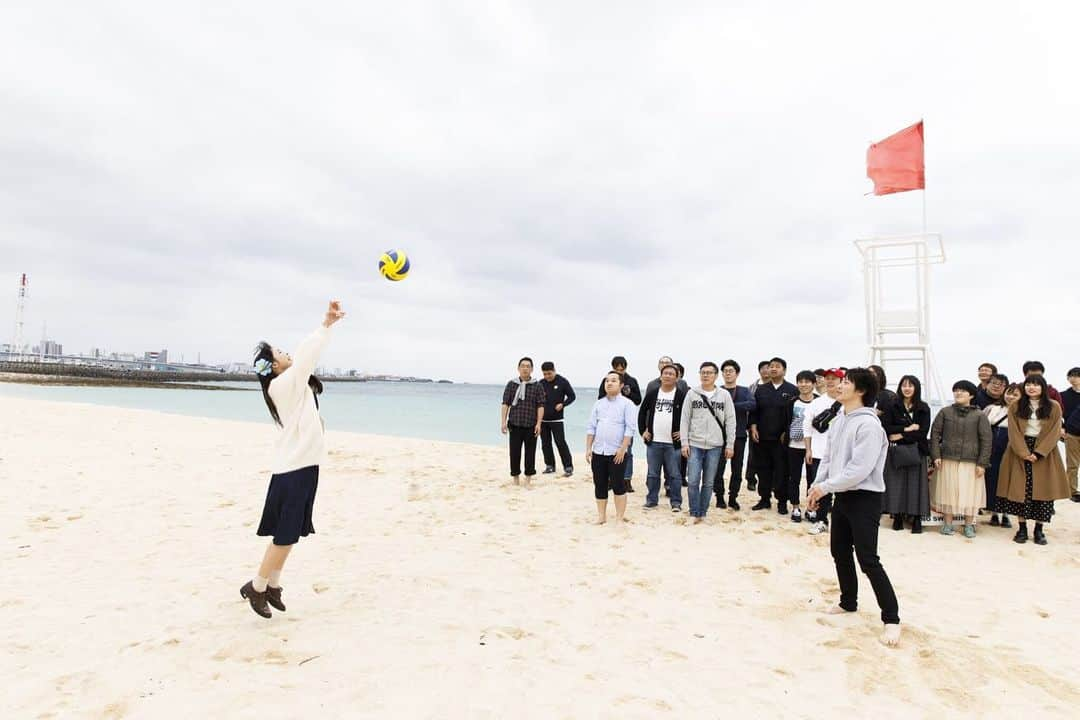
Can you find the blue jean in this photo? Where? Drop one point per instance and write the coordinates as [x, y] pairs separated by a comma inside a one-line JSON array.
[[628, 461], [666, 456], [700, 473]]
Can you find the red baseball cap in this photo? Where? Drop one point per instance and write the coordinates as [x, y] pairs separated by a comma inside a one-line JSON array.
[[836, 372]]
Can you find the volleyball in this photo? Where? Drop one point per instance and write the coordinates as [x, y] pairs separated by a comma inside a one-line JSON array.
[[394, 265]]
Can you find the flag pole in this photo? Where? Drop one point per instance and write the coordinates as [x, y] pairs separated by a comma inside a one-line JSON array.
[[924, 181]]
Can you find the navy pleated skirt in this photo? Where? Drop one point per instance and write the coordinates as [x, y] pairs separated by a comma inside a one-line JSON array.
[[289, 502]]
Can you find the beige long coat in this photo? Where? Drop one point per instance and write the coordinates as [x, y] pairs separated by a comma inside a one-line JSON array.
[[1047, 474]]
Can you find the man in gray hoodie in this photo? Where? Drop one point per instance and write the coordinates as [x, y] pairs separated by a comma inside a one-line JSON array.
[[707, 430], [852, 469]]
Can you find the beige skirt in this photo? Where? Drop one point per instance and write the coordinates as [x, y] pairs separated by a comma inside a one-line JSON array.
[[955, 490]]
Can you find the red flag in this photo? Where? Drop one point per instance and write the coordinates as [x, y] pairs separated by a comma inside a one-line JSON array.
[[896, 163]]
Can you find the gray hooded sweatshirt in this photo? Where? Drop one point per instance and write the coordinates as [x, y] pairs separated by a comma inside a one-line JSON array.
[[855, 457], [698, 424]]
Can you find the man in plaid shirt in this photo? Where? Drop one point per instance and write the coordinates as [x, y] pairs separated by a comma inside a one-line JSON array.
[[522, 413]]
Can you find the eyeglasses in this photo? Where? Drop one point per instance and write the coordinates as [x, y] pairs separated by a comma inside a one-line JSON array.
[[706, 372]]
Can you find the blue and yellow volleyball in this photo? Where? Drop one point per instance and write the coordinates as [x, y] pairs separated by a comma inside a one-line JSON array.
[[394, 265]]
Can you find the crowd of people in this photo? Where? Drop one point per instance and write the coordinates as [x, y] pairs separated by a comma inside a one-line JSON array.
[[993, 451]]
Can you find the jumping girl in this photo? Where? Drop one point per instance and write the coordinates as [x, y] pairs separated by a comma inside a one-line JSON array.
[[290, 391]]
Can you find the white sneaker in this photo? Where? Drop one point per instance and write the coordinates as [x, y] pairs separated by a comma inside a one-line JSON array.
[[811, 516], [818, 528]]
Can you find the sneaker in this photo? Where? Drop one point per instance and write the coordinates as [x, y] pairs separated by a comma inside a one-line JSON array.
[[549, 469], [648, 506], [811, 516], [781, 507], [676, 508], [969, 531], [762, 505], [818, 528], [733, 504], [569, 472], [947, 529], [796, 515]]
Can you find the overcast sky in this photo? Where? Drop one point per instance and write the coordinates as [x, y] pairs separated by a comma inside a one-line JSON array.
[[571, 180]]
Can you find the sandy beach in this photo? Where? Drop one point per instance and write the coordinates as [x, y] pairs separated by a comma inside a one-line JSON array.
[[434, 588]]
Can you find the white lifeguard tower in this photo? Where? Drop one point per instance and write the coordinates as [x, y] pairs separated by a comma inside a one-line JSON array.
[[896, 272]]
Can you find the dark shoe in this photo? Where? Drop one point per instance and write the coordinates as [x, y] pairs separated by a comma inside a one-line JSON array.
[[549, 469], [569, 472], [629, 487], [676, 508], [1075, 497], [898, 522], [685, 484], [762, 505], [273, 596], [751, 485], [1021, 534], [781, 507], [1040, 538], [733, 503], [916, 526], [720, 502], [994, 520], [1005, 522], [257, 599]]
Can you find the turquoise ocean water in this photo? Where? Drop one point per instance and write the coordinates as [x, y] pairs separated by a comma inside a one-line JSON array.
[[460, 413]]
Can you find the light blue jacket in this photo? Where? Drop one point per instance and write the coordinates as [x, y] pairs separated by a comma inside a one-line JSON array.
[[855, 457]]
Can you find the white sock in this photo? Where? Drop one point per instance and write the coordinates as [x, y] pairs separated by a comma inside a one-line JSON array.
[[275, 579], [259, 583]]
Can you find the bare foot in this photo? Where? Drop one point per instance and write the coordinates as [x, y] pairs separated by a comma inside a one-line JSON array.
[[517, 481], [890, 637], [698, 521], [528, 484], [835, 610], [625, 519], [599, 521]]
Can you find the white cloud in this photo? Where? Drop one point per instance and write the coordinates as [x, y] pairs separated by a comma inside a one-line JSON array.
[[571, 182]]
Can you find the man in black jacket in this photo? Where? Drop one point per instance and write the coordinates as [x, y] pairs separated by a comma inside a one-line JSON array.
[[632, 390], [658, 422], [559, 395], [768, 428]]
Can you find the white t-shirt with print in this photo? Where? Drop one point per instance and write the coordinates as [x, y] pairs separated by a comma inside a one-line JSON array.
[[665, 408]]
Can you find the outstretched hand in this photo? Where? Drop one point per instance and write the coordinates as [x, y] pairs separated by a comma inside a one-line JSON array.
[[333, 313]]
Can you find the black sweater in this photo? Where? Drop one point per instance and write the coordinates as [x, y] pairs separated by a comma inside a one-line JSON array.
[[648, 410], [896, 418], [773, 413], [629, 388], [557, 391]]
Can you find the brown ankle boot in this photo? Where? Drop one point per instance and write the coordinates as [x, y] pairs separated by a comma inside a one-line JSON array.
[[256, 598], [273, 596]]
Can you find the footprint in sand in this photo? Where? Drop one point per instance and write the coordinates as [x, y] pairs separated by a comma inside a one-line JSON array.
[[320, 588], [760, 569]]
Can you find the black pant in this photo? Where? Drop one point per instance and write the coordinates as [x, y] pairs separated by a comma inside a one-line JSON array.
[[751, 461], [606, 474], [772, 471], [548, 431], [518, 436], [736, 471], [796, 463], [824, 505], [856, 518]]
